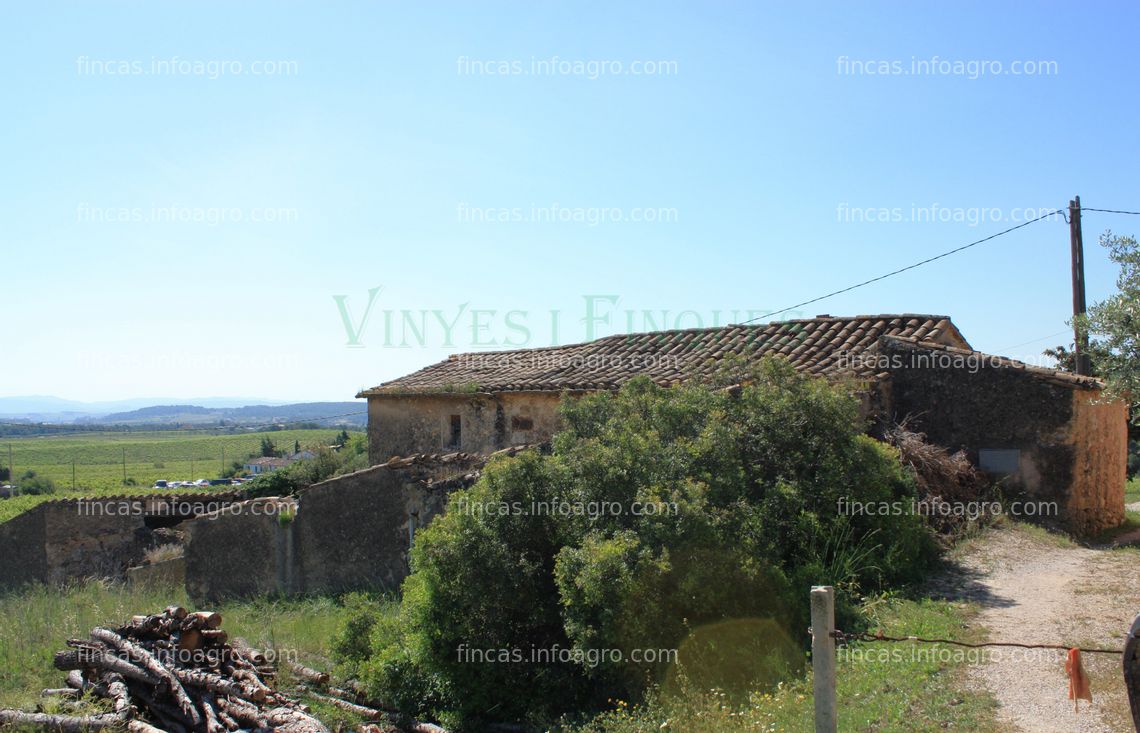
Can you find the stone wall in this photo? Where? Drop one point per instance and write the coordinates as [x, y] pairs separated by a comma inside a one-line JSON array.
[[348, 533], [399, 425], [1070, 451], [22, 550], [70, 539], [240, 551]]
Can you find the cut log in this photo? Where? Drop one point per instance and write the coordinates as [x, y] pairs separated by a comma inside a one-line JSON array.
[[418, 727], [175, 612], [227, 721], [251, 678], [138, 726], [309, 675], [77, 681], [242, 649], [190, 639], [214, 636], [152, 665], [217, 683], [203, 620], [168, 716], [113, 688], [94, 659], [350, 707], [69, 693], [210, 714], [287, 720], [59, 723], [243, 712]]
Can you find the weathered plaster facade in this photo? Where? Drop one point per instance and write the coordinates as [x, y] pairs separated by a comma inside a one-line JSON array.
[[400, 425]]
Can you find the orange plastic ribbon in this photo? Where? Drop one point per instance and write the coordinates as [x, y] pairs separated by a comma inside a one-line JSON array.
[[1078, 679]]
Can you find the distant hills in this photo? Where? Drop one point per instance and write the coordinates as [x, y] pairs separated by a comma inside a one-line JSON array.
[[327, 413], [200, 412]]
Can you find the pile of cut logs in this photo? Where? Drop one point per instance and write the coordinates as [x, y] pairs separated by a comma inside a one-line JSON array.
[[173, 672]]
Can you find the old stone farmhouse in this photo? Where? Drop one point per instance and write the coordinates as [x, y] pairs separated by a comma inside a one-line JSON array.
[[1043, 429]]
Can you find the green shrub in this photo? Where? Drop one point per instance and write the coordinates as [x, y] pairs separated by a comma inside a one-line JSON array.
[[288, 480], [547, 555], [30, 483]]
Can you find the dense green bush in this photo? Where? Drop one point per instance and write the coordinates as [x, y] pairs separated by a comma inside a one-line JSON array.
[[689, 518], [30, 483]]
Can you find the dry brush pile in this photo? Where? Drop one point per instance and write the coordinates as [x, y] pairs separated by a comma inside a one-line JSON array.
[[948, 483]]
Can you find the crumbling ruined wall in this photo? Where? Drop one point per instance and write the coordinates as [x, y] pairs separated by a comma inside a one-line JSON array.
[[70, 539], [22, 550], [355, 531], [400, 425], [239, 551], [350, 532], [82, 541]]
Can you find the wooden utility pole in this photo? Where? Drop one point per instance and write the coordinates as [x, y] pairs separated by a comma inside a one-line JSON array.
[[1077, 247], [124, 465], [11, 468], [73, 474]]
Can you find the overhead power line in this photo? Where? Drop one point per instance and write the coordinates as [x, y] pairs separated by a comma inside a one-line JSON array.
[[1111, 211], [909, 267]]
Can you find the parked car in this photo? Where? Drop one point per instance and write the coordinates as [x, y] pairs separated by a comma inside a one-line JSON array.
[[202, 482], [161, 484]]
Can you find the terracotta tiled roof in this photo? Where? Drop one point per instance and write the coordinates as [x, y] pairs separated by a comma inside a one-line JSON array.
[[275, 462], [969, 359], [821, 346]]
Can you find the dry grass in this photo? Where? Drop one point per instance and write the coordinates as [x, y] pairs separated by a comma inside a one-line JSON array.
[[941, 476], [162, 553]]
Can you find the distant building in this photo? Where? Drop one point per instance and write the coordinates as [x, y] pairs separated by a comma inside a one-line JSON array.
[[1045, 430], [266, 465]]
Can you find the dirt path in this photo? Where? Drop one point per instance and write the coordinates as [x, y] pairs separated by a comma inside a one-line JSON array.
[[1034, 589]]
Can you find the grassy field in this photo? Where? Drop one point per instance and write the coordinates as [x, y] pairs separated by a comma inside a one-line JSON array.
[[170, 455], [37, 622], [898, 688], [893, 689], [1132, 491]]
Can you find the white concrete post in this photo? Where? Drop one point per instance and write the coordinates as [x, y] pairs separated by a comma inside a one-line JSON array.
[[823, 657]]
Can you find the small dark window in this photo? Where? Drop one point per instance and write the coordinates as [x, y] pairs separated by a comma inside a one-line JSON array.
[[1002, 461], [456, 432], [522, 423]]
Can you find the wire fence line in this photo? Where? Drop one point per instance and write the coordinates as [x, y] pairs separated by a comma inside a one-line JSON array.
[[843, 637]]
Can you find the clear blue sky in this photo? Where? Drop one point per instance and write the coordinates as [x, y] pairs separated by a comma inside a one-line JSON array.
[[492, 157]]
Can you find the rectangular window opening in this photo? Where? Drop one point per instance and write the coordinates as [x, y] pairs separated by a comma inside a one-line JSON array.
[[522, 423], [456, 437], [1002, 461]]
